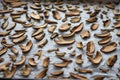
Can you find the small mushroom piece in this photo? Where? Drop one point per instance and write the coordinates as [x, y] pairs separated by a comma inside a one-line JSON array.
[[41, 26], [32, 62], [38, 31], [97, 59], [79, 59], [75, 19], [1, 59], [27, 25], [85, 34], [26, 71], [54, 35], [46, 62], [111, 60], [4, 24], [20, 21], [10, 74], [28, 17], [46, 14], [57, 73], [107, 23], [77, 28], [105, 40], [12, 57], [80, 45], [23, 58], [17, 35], [104, 70], [42, 43], [12, 25], [71, 34], [80, 77], [14, 50], [61, 65], [62, 41], [39, 54], [40, 36], [60, 54], [32, 6], [50, 21], [52, 28], [56, 15], [102, 35], [42, 74], [92, 19], [5, 33], [64, 27], [35, 16], [118, 33], [5, 66], [73, 13], [90, 48], [54, 49], [109, 47], [5, 44], [73, 53], [94, 26], [3, 51], [110, 5], [83, 70]]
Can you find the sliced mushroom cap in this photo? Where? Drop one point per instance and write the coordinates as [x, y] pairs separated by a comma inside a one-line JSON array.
[[94, 26], [5, 33], [40, 36], [102, 35], [73, 13], [34, 7], [118, 33], [105, 40], [54, 35], [109, 47], [52, 28], [12, 25], [42, 74], [38, 31], [14, 50], [56, 15], [39, 54], [75, 19], [17, 35], [46, 62], [28, 25], [92, 19], [117, 25], [5, 24], [32, 62], [73, 53], [12, 56], [50, 21], [79, 59], [77, 28], [107, 23], [85, 34], [99, 77], [5, 44], [61, 65], [54, 49], [111, 61], [26, 71], [68, 35], [5, 66], [20, 21], [3, 51], [35, 16], [64, 27], [46, 14], [110, 5], [80, 45], [42, 43], [83, 70], [41, 26], [60, 54], [23, 58], [57, 73]]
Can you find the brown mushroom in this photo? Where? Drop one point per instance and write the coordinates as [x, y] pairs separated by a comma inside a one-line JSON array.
[[73, 13], [85, 34], [52, 28], [12, 57], [46, 14], [56, 15], [39, 54], [32, 6], [68, 35], [79, 59], [40, 36], [5, 66], [14, 50], [117, 25], [26, 71], [17, 35], [107, 23], [22, 61], [20, 21], [92, 19], [20, 39], [60, 54], [57, 73], [111, 60], [61, 65], [105, 40], [3, 51], [46, 62], [75, 19], [77, 28], [4, 43], [5, 24], [73, 53], [54, 35], [42, 74], [42, 43], [5, 33], [99, 77], [12, 25], [64, 27], [83, 70], [38, 31], [50, 21], [80, 45], [32, 62], [102, 35], [27, 25], [35, 16], [94, 26], [54, 49]]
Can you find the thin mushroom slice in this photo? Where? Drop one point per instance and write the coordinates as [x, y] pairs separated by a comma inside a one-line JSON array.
[[42, 74], [46, 62], [85, 34], [97, 59], [102, 35], [19, 21], [5, 24], [64, 27], [32, 6], [71, 34], [94, 26], [118, 33], [5, 66], [75, 19], [62, 41], [52, 50], [79, 59], [109, 47], [40, 36], [77, 28], [107, 23], [110, 5], [99, 78], [57, 73], [80, 77], [60, 54], [50, 21], [111, 60], [28, 17], [12, 57], [26, 71], [42, 43], [80, 45], [73, 53], [38, 31], [12, 25], [46, 14], [116, 25], [41, 26], [83, 70], [32, 62], [5, 33], [28, 25], [73, 13], [56, 15], [5, 44], [54, 35], [105, 40], [92, 19], [52, 28], [39, 54], [14, 50], [22, 61], [1, 59], [3, 51], [10, 74], [35, 16], [61, 65], [17, 35]]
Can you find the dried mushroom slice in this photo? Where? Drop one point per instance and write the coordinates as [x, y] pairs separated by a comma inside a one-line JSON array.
[[97, 59], [80, 45], [32, 6], [42, 43], [42, 74], [5, 11], [46, 14], [79, 59], [60, 54], [56, 15], [12, 57], [64, 27], [73, 13], [62, 41], [52, 28], [102, 35], [27, 25], [54, 49], [111, 60], [54, 35], [35, 16], [107, 23], [10, 73], [40, 36], [94, 26], [39, 54], [17, 35], [77, 28], [46, 62], [22, 61], [92, 19], [94, 13], [80, 77], [5, 66], [41, 26], [105, 40], [12, 26], [5, 24], [61, 65], [37, 32], [83, 70], [110, 5], [50, 21], [32, 62], [1, 59], [75, 19], [73, 53], [85, 34], [14, 50], [71, 34], [57, 73], [20, 21], [117, 25], [3, 51], [26, 70], [104, 70], [5, 44], [99, 78], [109, 47], [5, 33], [118, 33]]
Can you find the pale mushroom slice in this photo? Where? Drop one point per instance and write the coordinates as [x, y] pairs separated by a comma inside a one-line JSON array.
[[54, 49], [64, 27], [32, 62], [73, 13], [62, 41], [38, 31], [46, 14], [77, 28], [5, 24], [12, 26], [20, 39], [40, 36], [102, 35], [80, 77], [35, 16], [12, 57], [116, 12], [5, 44], [105, 40], [46, 62], [15, 16], [5, 11], [27, 25], [94, 13], [107, 23], [57, 73], [52, 28], [111, 60], [22, 61], [5, 66], [75, 19], [60, 54], [79, 59], [63, 64], [94, 26], [42, 43], [83, 70], [26, 70], [42, 74], [56, 15], [50, 21], [17, 35], [14, 50], [71, 34], [32, 6], [39, 54], [54, 35], [3, 51], [109, 47], [17, 4], [80, 45], [92, 19], [85, 34], [5, 33], [97, 59], [41, 26], [10, 73], [20, 21]]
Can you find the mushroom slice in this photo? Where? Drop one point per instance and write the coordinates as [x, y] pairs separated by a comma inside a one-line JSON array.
[[52, 28], [5, 11], [56, 15], [68, 35], [26, 71], [12, 25], [39, 54], [23, 58], [14, 50], [18, 12], [5, 66], [102, 35], [61, 9], [110, 5], [90, 48], [109, 47], [17, 35], [60, 54], [94, 26], [5, 33], [42, 74], [10, 74], [61, 65], [20, 39], [107, 23], [85, 34], [12, 56], [4, 24], [111, 60], [92, 19], [38, 31], [40, 36], [77, 28], [64, 27], [62, 41], [54, 35], [34, 7], [42, 43], [73, 53], [32, 62], [28, 25], [116, 25], [118, 33], [116, 12], [21, 21], [75, 19], [54, 49], [104, 70], [15, 16], [105, 40], [94, 13], [80, 45], [41, 26], [4, 43], [35, 16], [50, 21], [46, 62], [73, 13], [99, 78], [46, 14], [80, 77], [79, 59], [57, 73], [28, 17], [83, 70], [3, 51], [97, 59]]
